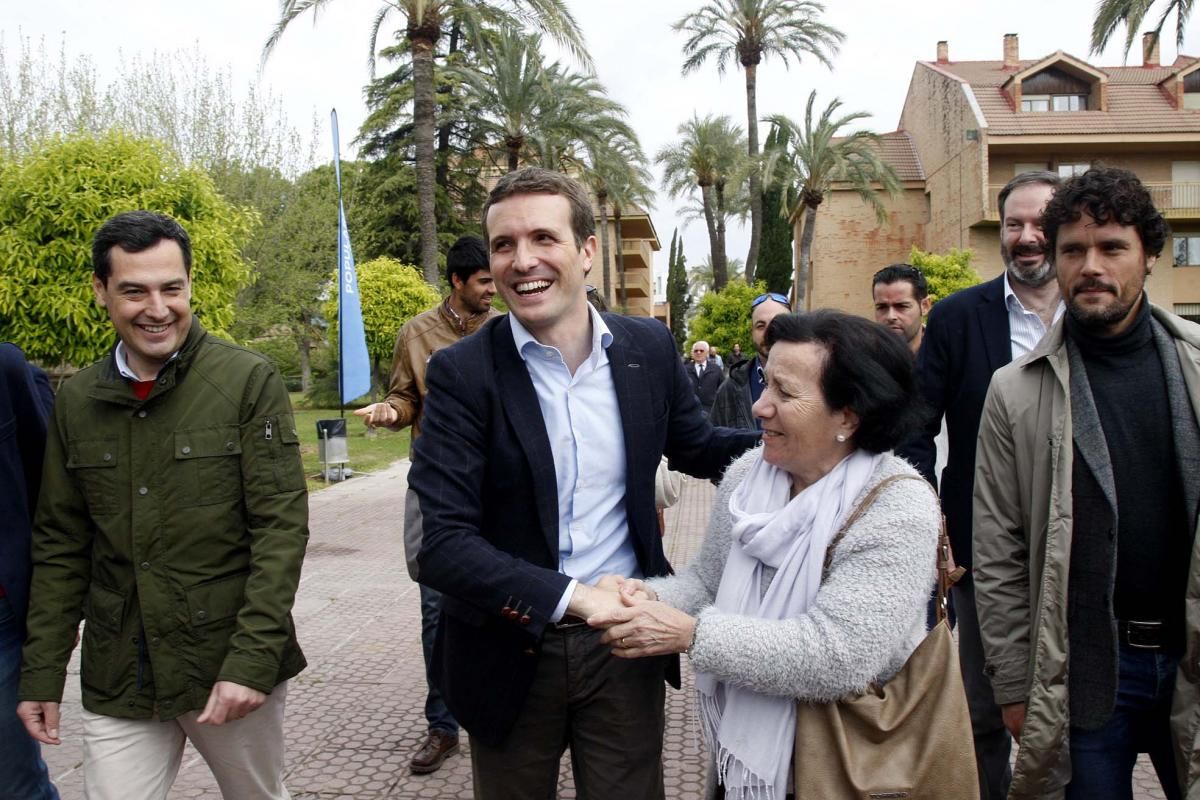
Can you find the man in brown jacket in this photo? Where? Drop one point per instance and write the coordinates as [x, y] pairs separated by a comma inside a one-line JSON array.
[[467, 307]]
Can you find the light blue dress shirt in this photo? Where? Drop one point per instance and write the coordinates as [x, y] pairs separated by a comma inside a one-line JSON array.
[[583, 424]]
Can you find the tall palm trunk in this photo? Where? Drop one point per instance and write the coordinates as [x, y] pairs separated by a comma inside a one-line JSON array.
[[716, 244], [800, 282], [513, 146], [605, 270], [422, 37], [442, 170], [619, 247], [756, 198], [720, 265]]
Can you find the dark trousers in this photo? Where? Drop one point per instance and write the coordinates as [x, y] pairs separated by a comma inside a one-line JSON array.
[[23, 774], [437, 715], [608, 710], [1102, 760], [993, 745]]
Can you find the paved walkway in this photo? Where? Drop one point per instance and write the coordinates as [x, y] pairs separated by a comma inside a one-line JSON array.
[[355, 715]]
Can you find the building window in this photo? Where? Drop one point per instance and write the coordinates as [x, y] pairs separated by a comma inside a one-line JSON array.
[[1071, 170], [1020, 168], [1054, 102], [1187, 250]]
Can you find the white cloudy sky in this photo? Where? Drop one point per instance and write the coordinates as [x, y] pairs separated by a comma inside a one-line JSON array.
[[317, 67]]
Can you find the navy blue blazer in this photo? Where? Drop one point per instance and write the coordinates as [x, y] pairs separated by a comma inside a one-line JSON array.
[[25, 402], [483, 473], [966, 340]]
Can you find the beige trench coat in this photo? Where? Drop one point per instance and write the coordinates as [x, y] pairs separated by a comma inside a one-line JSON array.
[[1022, 546]]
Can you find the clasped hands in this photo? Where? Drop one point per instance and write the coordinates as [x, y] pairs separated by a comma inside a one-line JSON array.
[[636, 624]]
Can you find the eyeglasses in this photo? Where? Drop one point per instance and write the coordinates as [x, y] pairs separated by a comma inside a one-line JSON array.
[[776, 296], [697, 349]]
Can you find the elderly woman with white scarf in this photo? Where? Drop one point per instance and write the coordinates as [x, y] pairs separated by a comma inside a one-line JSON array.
[[763, 620]]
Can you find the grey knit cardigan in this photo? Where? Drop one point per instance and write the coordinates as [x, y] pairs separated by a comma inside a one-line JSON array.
[[867, 618]]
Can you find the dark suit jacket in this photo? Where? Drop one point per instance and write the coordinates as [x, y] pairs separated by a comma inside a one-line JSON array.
[[25, 401], [966, 340], [706, 384], [483, 473]]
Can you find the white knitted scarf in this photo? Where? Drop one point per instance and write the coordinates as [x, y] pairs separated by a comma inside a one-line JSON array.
[[751, 734]]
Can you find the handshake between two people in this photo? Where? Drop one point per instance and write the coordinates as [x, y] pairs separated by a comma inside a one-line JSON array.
[[635, 622]]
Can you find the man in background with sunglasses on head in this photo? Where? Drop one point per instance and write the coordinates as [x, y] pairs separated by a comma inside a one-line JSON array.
[[741, 389], [901, 297]]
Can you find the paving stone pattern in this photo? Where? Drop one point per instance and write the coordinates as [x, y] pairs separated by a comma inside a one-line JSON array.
[[355, 716]]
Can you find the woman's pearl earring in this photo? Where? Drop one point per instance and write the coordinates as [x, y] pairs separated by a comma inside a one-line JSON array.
[[841, 437]]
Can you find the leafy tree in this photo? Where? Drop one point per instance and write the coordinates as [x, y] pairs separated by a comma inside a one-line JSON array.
[[775, 256], [424, 22], [749, 31], [677, 291], [391, 294], [53, 199], [945, 274], [707, 158], [811, 158], [724, 316], [1112, 14]]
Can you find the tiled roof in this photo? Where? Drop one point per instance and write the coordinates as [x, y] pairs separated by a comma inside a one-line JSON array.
[[1136, 104], [896, 148]]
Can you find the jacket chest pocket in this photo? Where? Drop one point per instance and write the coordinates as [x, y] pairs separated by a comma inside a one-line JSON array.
[[208, 464], [93, 464]]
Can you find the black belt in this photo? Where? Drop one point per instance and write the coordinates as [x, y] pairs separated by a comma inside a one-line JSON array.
[[1142, 634], [570, 621]]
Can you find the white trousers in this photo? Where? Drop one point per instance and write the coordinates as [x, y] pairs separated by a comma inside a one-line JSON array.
[[138, 759]]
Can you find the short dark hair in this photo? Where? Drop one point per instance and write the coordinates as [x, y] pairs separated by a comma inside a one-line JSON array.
[[895, 273], [868, 370], [133, 232], [1107, 194], [464, 258], [535, 180], [1038, 177]]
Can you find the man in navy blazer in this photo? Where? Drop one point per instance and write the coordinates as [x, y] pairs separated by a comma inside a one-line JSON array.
[[970, 335], [25, 401], [535, 475]]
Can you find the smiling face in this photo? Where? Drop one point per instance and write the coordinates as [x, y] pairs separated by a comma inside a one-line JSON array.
[[799, 430], [475, 296], [148, 298], [1022, 243], [897, 308], [1101, 272], [537, 268], [760, 319]]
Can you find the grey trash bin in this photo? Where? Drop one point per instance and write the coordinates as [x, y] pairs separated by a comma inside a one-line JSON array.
[[333, 448]]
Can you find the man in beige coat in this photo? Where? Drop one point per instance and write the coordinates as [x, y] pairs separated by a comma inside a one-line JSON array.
[[1086, 497], [463, 312]]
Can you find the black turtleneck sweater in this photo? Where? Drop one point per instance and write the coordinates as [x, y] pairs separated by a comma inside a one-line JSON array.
[[1153, 541]]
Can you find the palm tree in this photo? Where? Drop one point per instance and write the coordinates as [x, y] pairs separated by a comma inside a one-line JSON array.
[[708, 157], [1112, 14], [811, 158], [424, 21], [630, 188], [750, 30], [612, 163]]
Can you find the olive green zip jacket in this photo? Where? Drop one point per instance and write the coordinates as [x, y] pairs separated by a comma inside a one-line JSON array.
[[1022, 543], [176, 527]]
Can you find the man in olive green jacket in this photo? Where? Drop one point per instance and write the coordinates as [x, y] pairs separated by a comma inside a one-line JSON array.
[[173, 519], [1086, 559]]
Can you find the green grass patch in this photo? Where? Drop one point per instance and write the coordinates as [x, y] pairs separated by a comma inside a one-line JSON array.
[[367, 453]]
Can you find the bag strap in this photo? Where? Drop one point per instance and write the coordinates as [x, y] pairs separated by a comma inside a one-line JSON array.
[[948, 573]]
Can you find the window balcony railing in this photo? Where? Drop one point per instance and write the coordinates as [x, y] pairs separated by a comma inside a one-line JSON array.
[[1178, 200]]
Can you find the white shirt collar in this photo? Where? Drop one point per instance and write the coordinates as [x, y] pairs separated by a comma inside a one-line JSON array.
[[601, 336], [123, 363]]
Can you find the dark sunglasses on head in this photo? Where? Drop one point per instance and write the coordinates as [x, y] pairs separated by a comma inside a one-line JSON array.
[[776, 296]]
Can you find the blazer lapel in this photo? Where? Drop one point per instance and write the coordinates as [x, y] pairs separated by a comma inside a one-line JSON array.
[[993, 324], [520, 403], [630, 376]]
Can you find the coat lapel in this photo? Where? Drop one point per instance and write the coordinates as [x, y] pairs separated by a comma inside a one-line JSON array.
[[630, 376], [519, 400], [993, 324]]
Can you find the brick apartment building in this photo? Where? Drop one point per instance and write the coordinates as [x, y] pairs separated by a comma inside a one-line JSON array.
[[968, 127]]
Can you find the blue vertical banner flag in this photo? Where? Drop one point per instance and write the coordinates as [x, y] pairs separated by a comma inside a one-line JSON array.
[[354, 363]]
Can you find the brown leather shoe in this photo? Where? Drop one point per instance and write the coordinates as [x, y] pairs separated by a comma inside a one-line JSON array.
[[437, 748]]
